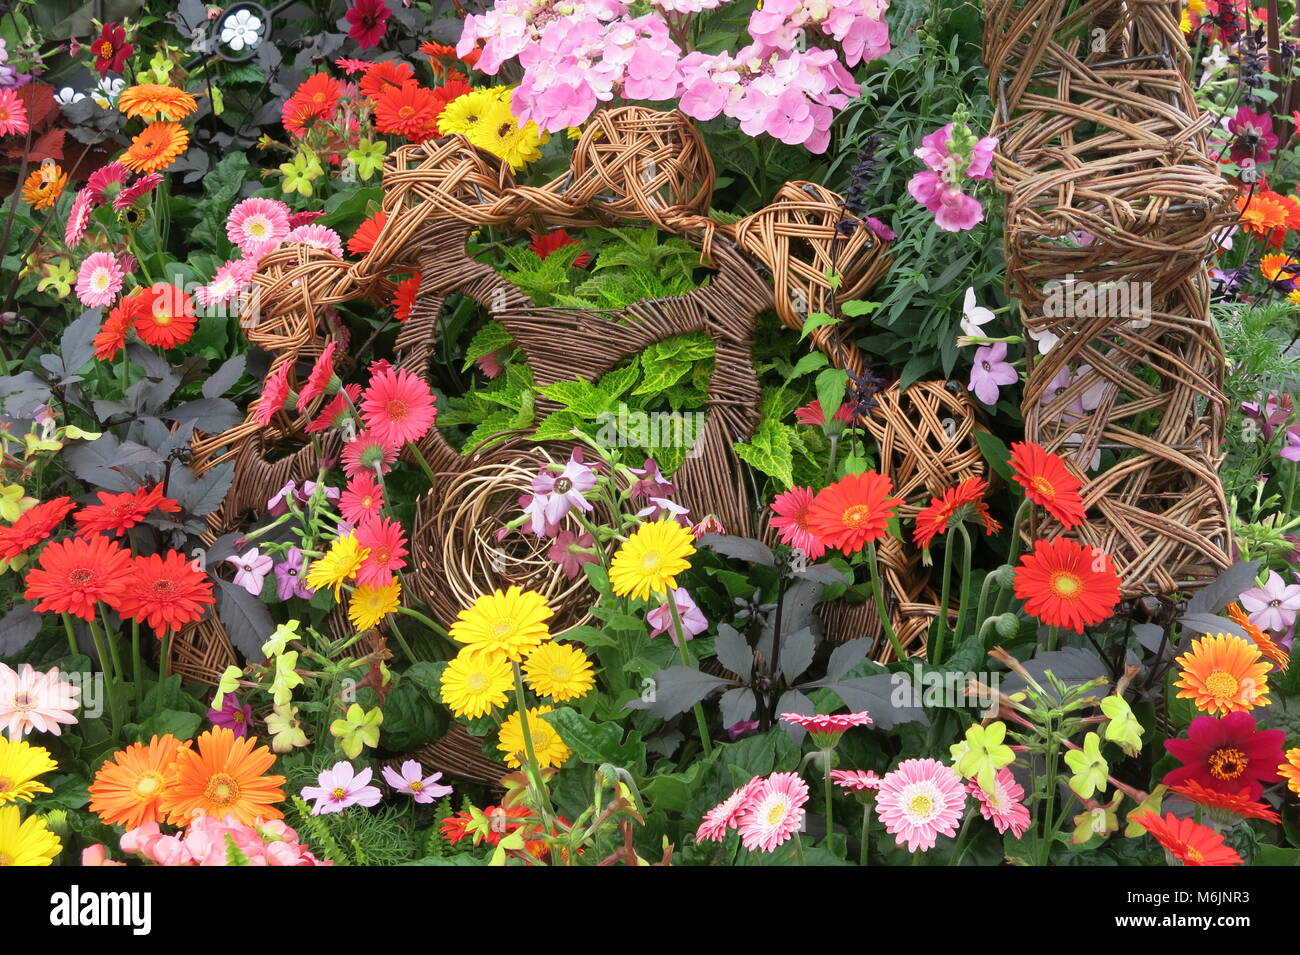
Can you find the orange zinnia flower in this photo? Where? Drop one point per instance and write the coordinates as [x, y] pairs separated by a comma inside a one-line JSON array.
[[117, 513], [363, 240], [853, 510], [964, 500], [165, 316], [1189, 842], [44, 186], [73, 575], [33, 526], [1239, 804], [154, 99], [128, 789], [1268, 647], [1066, 585], [166, 592], [1047, 482], [223, 775], [1223, 673], [156, 147]]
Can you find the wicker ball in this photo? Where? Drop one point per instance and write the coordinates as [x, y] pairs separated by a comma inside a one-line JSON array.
[[200, 651]]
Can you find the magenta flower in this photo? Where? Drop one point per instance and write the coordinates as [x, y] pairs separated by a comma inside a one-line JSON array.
[[251, 569], [231, 715], [571, 551], [288, 577], [1255, 139], [340, 788], [662, 509], [990, 372], [1277, 410], [1273, 606], [412, 780], [652, 482], [693, 619], [369, 20], [1291, 450], [554, 495]]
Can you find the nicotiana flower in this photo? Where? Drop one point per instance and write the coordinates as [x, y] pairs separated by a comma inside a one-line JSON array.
[[554, 495], [251, 569], [289, 577], [693, 620], [341, 787], [974, 317], [411, 780], [1274, 605], [990, 372]]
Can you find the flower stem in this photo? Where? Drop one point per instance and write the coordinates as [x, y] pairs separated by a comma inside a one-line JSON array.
[[863, 857], [110, 683], [534, 774], [72, 636], [401, 641], [137, 662], [424, 465], [701, 723], [826, 769], [1004, 596], [878, 596], [416, 615], [935, 656], [963, 598]]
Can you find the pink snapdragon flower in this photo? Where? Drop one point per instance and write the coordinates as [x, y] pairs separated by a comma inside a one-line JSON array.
[[952, 155]]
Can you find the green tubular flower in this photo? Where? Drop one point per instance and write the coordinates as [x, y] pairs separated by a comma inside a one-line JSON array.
[[286, 732], [982, 754], [299, 174], [1151, 804], [357, 730], [1096, 820], [59, 276], [285, 632], [228, 683], [1090, 769], [368, 157], [1123, 727], [286, 677]]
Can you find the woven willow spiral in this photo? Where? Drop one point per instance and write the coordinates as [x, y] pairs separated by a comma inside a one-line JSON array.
[[1111, 205]]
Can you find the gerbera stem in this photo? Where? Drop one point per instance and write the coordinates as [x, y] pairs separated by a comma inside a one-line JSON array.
[[878, 596], [826, 777], [798, 849], [72, 636], [137, 663], [935, 656], [863, 857], [111, 638], [424, 465], [959, 849], [534, 774], [700, 723], [1004, 595], [401, 641], [416, 615], [110, 683], [963, 599]]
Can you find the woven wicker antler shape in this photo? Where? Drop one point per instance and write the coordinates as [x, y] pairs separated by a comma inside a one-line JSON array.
[[1111, 204]]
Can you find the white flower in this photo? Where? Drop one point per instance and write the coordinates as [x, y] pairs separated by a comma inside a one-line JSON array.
[[973, 316], [241, 30], [107, 91], [1046, 339], [67, 96]]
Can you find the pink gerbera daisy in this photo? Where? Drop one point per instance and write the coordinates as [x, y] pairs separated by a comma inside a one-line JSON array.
[[774, 812], [791, 521], [318, 237], [275, 392], [321, 373], [79, 217], [856, 779], [919, 800], [114, 173], [99, 280], [228, 280], [362, 499], [337, 411], [31, 700], [398, 406], [367, 453], [727, 814], [258, 224], [1005, 807], [827, 728], [142, 186], [13, 114], [387, 545]]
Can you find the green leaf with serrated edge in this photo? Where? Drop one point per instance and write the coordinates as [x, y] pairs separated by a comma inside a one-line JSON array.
[[491, 337], [809, 362], [579, 396], [557, 426], [660, 376], [816, 320], [620, 379], [491, 426], [769, 451]]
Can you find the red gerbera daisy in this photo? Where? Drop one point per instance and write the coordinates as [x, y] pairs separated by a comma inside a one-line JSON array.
[[75, 574], [1187, 840], [366, 453], [406, 111], [362, 499], [1226, 755], [384, 76], [275, 392], [387, 545], [165, 316], [33, 526], [166, 592], [404, 297], [853, 510], [553, 241], [1047, 482], [337, 411], [363, 240], [791, 522], [319, 378], [964, 500], [320, 93], [111, 337], [111, 49], [1066, 585], [448, 91], [398, 407], [1238, 804], [120, 512]]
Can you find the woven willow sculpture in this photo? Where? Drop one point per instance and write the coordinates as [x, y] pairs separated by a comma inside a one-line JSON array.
[[1111, 205]]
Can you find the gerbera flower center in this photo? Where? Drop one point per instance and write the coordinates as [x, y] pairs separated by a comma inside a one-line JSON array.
[[406, 112], [162, 318], [921, 805], [257, 228], [503, 626], [775, 813], [560, 672], [1222, 685], [856, 516], [23, 702], [1227, 763], [477, 682], [6, 784], [1193, 854], [396, 409], [147, 786], [163, 588], [650, 561], [81, 577], [1043, 486], [1065, 584], [222, 790]]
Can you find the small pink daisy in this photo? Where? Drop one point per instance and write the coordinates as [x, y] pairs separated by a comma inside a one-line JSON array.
[[13, 114], [79, 217], [856, 779], [340, 787], [321, 373], [142, 186], [337, 411], [827, 728], [32, 700], [774, 812], [318, 237], [727, 814], [258, 224], [919, 800], [362, 499], [114, 173], [366, 453], [387, 545], [411, 780], [791, 521], [398, 406], [226, 282], [275, 392], [99, 280], [1005, 808]]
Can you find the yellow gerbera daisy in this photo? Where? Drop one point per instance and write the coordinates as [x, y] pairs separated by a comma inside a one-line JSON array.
[[650, 560], [153, 99], [1223, 673], [466, 112], [341, 562], [20, 764], [508, 142], [369, 605], [560, 671], [547, 745], [474, 683], [26, 841], [504, 624]]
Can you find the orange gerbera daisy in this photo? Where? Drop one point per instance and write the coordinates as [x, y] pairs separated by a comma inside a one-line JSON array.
[[407, 111], [223, 775], [363, 240], [384, 76], [165, 316], [1268, 647], [963, 501], [156, 147], [117, 513], [166, 592], [1262, 212], [853, 510], [1278, 267], [1047, 482], [74, 574], [319, 95], [1290, 770], [1066, 585], [1187, 841], [404, 297], [155, 99], [111, 337], [127, 789], [33, 526], [44, 186], [1223, 674], [1239, 804]]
